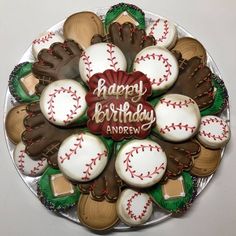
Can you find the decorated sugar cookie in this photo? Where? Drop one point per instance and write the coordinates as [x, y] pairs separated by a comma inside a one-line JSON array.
[[141, 163], [214, 132], [82, 157], [178, 117], [63, 102], [159, 65], [164, 32], [133, 207], [100, 57], [25, 164], [44, 41]]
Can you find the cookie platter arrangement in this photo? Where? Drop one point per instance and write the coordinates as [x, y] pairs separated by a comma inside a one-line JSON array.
[[117, 118]]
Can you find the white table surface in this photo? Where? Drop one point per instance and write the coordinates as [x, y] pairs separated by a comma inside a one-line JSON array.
[[212, 22]]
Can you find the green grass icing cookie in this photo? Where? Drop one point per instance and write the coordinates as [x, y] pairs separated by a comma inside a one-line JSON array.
[[56, 192]]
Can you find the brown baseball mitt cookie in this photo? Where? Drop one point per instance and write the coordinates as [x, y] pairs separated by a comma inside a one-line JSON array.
[[107, 186], [58, 62], [128, 38], [194, 81], [180, 156]]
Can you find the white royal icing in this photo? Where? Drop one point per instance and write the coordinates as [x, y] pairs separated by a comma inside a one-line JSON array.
[[63, 102], [177, 117], [25, 164], [134, 208], [100, 57], [141, 163], [82, 157], [214, 132], [164, 32], [44, 41], [159, 65]]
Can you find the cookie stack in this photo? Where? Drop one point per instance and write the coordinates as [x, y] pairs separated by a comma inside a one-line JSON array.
[[116, 115]]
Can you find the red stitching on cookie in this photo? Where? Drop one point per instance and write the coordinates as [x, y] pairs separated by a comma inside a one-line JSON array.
[[112, 58], [129, 205], [174, 105], [165, 32], [87, 63], [21, 161], [44, 38], [177, 126], [51, 106], [93, 163], [164, 60], [77, 145], [141, 176], [40, 163]]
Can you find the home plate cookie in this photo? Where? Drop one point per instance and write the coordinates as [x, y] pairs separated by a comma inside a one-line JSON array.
[[63, 102], [160, 66], [141, 163], [213, 132], [134, 208], [100, 57], [164, 32], [44, 41], [177, 117], [82, 157], [25, 164]]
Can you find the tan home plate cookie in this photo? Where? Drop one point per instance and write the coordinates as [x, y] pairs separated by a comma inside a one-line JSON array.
[[28, 83]]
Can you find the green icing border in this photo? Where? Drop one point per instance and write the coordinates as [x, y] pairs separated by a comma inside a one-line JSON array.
[[46, 196], [15, 87], [133, 10], [220, 100], [178, 204]]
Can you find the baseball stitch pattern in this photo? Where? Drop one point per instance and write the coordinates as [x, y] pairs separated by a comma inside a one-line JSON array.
[[44, 39], [222, 136], [87, 172], [129, 207], [37, 168], [21, 161], [180, 126], [72, 151], [132, 172], [162, 59], [87, 63], [165, 30], [51, 104], [180, 104], [111, 57]]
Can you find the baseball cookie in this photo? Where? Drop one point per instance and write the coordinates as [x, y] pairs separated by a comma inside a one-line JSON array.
[[164, 32], [141, 163], [100, 57], [22, 83], [190, 47], [44, 41], [56, 192], [177, 117], [25, 164], [134, 208], [160, 66], [14, 123], [81, 27], [97, 215], [214, 132], [82, 157], [63, 102]]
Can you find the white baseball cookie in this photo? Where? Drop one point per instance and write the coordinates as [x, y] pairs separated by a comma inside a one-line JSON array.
[[177, 117], [134, 208], [164, 32], [63, 102], [141, 163], [44, 41], [25, 164], [82, 157], [214, 132], [159, 65], [100, 57]]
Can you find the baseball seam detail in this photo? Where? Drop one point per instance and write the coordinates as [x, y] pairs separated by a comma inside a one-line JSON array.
[[87, 63], [44, 39], [179, 126], [112, 57], [179, 104]]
